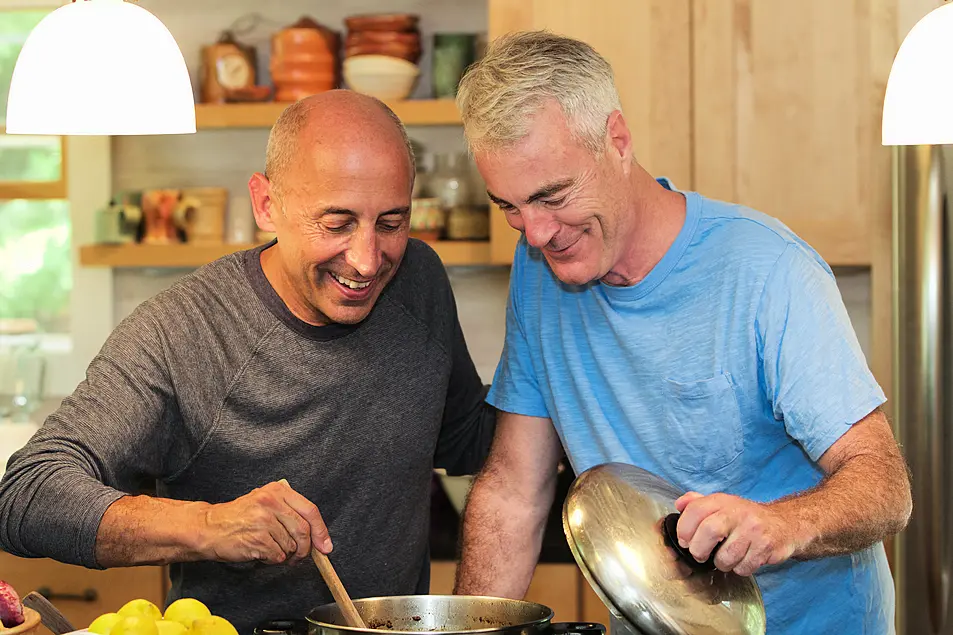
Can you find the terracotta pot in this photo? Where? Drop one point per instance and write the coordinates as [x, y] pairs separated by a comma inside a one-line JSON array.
[[382, 22], [304, 60]]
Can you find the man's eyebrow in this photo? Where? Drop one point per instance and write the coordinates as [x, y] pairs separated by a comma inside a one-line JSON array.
[[549, 189], [344, 211], [327, 211], [496, 199], [544, 192]]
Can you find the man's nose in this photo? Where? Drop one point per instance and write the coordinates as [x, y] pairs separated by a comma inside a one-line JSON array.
[[364, 253], [538, 226]]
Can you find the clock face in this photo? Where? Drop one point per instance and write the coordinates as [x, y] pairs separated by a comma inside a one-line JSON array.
[[233, 71]]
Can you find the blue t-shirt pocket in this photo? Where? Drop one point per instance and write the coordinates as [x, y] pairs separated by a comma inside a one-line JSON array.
[[702, 424]]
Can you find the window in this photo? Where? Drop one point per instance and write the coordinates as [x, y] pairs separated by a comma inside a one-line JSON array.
[[36, 275], [50, 189]]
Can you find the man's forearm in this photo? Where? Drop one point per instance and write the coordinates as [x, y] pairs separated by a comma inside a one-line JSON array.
[[502, 536], [864, 502], [141, 530]]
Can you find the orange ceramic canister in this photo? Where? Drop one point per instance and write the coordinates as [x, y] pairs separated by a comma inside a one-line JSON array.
[[303, 60]]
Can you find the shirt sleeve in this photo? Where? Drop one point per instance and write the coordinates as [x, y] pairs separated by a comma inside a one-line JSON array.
[[515, 386], [110, 437], [816, 377]]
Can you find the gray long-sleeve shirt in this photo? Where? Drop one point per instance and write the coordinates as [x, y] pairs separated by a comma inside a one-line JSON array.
[[213, 388]]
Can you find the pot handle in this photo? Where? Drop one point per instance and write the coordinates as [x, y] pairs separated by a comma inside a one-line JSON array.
[[283, 627], [576, 628]]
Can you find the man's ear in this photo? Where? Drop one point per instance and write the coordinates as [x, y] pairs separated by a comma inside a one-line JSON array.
[[620, 140], [263, 201]]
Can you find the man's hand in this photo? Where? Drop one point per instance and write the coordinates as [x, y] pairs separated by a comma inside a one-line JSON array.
[[271, 524], [754, 535]]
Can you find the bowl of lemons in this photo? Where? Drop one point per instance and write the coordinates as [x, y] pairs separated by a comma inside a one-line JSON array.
[[185, 616]]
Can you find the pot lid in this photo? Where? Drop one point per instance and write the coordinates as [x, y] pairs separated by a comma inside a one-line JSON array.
[[615, 521]]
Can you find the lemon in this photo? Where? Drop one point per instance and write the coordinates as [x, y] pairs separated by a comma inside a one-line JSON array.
[[141, 608], [213, 625], [168, 627], [104, 623], [135, 625], [185, 611]]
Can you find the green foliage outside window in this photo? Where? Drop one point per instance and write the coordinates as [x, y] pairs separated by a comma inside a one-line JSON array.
[[35, 265]]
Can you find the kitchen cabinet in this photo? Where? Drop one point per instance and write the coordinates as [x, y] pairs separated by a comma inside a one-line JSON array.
[[557, 586], [591, 608], [104, 591], [788, 100]]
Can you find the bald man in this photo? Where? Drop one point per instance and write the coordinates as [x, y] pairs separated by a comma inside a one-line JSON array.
[[278, 398]]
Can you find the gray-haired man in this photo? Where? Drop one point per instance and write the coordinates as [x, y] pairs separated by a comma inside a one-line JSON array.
[[699, 340]]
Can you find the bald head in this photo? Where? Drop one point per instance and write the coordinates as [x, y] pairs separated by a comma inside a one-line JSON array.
[[333, 121]]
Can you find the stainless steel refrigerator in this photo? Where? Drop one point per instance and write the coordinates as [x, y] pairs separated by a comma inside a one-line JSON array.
[[923, 383]]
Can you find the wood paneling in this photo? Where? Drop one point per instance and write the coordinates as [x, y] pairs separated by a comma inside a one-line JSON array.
[[35, 190], [451, 252], [592, 609], [788, 100], [412, 112], [113, 587], [554, 585]]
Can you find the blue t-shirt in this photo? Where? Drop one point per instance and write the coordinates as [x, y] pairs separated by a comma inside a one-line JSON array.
[[731, 367]]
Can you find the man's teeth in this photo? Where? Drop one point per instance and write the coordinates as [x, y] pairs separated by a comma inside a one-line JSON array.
[[349, 283]]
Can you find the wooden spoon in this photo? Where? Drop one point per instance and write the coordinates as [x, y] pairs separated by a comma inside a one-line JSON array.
[[49, 614], [351, 616]]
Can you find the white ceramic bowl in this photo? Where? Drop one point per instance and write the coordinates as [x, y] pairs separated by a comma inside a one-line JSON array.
[[457, 488], [386, 78]]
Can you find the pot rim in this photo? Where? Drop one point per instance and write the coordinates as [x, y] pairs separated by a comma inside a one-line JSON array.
[[470, 631]]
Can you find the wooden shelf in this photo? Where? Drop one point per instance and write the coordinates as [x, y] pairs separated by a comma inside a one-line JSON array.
[[189, 256], [413, 112]]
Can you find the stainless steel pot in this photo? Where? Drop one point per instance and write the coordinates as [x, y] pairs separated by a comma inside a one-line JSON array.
[[444, 614]]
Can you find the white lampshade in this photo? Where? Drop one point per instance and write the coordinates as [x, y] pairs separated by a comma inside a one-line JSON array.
[[100, 67], [918, 106]]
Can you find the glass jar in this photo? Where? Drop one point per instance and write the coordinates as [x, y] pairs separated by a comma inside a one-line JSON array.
[[452, 54], [450, 180], [22, 373]]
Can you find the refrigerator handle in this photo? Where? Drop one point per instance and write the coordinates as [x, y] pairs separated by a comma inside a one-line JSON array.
[[932, 376]]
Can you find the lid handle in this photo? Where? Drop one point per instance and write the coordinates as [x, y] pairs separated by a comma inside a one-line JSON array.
[[671, 538]]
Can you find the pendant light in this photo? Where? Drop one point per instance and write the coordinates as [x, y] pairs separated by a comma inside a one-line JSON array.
[[100, 67], [918, 106]]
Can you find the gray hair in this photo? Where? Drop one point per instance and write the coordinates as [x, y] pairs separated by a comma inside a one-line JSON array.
[[285, 134], [520, 73]]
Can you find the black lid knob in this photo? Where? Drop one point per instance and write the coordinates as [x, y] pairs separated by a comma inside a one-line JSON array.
[[669, 531]]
